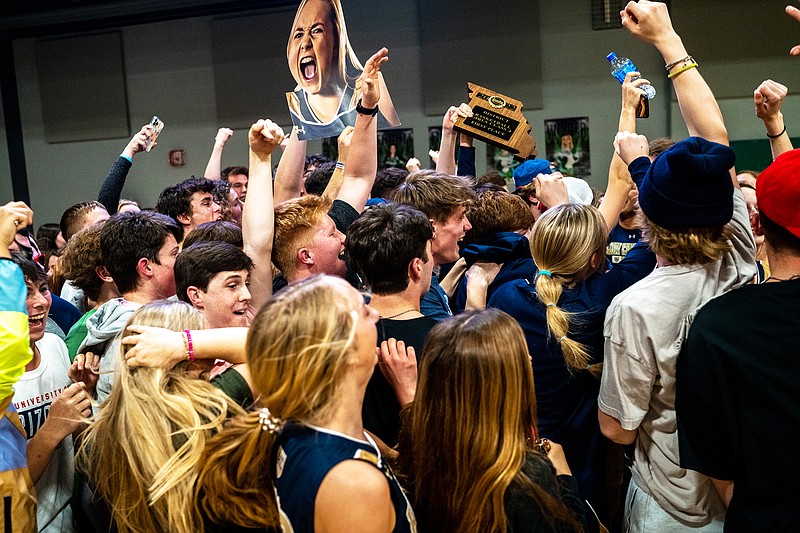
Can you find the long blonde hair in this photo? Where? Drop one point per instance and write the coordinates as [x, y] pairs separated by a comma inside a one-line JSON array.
[[472, 425], [142, 453], [297, 351], [563, 242]]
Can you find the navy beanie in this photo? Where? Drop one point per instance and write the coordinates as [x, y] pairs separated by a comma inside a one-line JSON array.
[[689, 186]]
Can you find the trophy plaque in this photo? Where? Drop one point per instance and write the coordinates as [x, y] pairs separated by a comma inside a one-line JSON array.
[[498, 120]]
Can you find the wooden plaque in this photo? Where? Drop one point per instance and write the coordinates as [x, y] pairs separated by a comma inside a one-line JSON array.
[[498, 120]]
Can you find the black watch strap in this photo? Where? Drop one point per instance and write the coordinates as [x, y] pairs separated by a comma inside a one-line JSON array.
[[361, 110]]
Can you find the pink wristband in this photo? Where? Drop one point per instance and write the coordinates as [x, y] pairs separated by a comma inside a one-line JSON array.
[[189, 345]]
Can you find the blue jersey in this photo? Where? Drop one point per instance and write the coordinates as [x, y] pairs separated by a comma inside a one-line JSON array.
[[305, 455]]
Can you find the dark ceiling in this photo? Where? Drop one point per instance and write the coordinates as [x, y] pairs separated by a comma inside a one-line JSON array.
[[36, 18]]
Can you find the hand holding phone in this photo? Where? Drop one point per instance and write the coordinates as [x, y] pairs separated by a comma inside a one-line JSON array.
[[157, 126]]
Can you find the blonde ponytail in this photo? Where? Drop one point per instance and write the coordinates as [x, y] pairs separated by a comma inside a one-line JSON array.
[[558, 321], [564, 241]]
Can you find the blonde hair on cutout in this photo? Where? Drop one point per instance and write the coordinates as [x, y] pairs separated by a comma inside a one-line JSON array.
[[564, 241], [142, 453], [298, 350]]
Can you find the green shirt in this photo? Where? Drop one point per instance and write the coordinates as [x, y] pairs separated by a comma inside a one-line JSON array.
[[76, 334]]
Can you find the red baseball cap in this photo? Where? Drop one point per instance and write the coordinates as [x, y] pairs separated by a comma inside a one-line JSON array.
[[778, 191]]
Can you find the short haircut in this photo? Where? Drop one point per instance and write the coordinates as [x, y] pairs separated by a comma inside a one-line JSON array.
[[72, 219], [129, 236], [46, 236], [492, 176], [686, 246], [383, 241], [386, 180], [82, 255], [295, 222], [779, 238], [176, 199], [232, 171], [660, 145], [435, 194], [319, 178], [197, 265], [217, 230], [315, 160], [497, 211], [31, 270]]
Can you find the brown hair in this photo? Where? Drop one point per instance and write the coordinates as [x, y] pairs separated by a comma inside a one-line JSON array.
[[435, 194], [471, 425], [496, 211], [690, 246], [82, 255], [295, 222]]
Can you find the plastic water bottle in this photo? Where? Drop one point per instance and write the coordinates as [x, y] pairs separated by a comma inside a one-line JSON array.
[[620, 66]]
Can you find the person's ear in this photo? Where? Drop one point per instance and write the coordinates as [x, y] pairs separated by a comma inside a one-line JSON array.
[[102, 273], [415, 269], [755, 222], [184, 219], [143, 268], [304, 256], [196, 297]]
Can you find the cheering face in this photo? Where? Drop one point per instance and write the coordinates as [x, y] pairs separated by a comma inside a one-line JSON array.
[[313, 48]]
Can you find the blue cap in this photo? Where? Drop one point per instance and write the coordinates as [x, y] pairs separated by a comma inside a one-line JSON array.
[[528, 170]]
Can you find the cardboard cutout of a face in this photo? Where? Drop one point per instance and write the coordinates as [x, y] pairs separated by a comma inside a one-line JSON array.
[[327, 73]]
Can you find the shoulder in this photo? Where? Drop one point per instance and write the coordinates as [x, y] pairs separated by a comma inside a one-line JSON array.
[[363, 490]]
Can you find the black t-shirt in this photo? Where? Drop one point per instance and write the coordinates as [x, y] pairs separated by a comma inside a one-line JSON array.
[[381, 410], [737, 390]]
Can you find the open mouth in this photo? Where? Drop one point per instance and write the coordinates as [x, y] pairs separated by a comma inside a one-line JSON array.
[[240, 312], [36, 320], [308, 68]]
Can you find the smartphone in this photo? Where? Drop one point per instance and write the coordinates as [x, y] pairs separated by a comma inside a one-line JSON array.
[[158, 125]]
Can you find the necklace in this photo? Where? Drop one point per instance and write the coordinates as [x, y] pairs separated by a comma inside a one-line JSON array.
[[399, 314], [773, 278]]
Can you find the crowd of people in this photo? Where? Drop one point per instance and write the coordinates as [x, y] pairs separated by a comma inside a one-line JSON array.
[[344, 348]]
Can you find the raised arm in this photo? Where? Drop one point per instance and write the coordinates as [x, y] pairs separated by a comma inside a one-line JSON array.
[[289, 176], [447, 147], [650, 22], [768, 98], [335, 183], [795, 14], [619, 179], [111, 190], [214, 167], [362, 158], [258, 217]]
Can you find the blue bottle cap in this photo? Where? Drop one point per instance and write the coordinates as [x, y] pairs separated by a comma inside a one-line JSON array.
[[611, 57]]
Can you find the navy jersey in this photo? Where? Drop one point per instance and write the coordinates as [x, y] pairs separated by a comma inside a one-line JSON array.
[[620, 242], [305, 455]]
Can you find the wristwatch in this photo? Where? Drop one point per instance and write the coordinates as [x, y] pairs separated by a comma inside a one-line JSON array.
[[361, 110]]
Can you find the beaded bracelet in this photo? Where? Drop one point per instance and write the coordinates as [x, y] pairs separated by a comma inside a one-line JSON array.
[[187, 343], [687, 59], [675, 74]]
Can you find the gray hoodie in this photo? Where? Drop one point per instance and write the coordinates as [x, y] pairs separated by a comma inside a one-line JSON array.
[[102, 338]]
